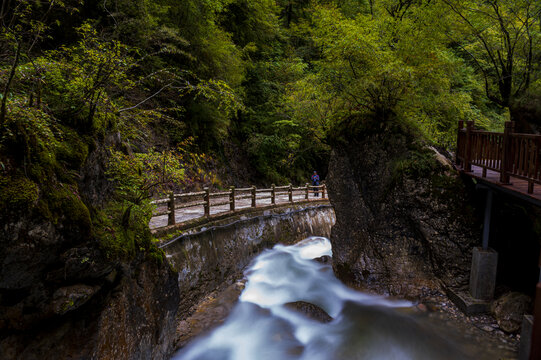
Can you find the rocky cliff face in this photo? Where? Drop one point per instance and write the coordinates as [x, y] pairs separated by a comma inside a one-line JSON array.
[[60, 295], [75, 304], [402, 219]]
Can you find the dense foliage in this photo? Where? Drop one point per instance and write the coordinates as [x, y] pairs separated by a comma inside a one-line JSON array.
[[157, 86]]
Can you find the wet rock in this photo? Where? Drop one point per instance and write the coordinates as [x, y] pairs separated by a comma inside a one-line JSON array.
[[79, 264], [509, 310], [72, 297], [312, 311], [487, 328], [62, 297], [209, 313], [325, 259], [140, 314], [134, 318]]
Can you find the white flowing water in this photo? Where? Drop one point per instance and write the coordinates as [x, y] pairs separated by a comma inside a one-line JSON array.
[[364, 326]]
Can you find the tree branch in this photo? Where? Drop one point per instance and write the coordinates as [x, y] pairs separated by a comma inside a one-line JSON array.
[[145, 100], [8, 83]]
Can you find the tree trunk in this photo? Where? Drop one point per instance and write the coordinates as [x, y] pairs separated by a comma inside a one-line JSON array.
[[519, 115], [289, 13], [8, 84]]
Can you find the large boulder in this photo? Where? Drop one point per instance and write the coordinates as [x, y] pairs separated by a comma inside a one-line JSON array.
[[403, 222], [509, 310]]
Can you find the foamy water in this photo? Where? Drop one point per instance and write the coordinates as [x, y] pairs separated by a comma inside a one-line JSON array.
[[364, 326]]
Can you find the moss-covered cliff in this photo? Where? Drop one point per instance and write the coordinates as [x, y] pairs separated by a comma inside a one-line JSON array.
[[65, 291]]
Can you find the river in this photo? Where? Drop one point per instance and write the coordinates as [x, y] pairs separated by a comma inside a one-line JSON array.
[[263, 327]]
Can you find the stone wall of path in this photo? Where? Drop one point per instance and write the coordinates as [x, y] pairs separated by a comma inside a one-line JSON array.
[[207, 256]]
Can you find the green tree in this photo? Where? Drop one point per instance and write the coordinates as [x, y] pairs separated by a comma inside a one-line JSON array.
[[374, 60], [24, 25], [502, 39]]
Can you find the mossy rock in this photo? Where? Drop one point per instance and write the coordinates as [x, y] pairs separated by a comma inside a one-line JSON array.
[[124, 242], [417, 163], [63, 205], [73, 151], [17, 194], [156, 254], [42, 173]]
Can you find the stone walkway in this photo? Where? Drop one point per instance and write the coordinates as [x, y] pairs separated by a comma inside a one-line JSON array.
[[182, 215]]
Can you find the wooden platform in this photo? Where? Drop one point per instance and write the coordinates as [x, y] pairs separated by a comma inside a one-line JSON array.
[[517, 187]]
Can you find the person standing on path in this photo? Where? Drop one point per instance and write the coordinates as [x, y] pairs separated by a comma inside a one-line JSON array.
[[315, 182]]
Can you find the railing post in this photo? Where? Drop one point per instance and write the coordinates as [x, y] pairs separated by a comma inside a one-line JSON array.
[[458, 142], [467, 155], [273, 194], [206, 199], [532, 167], [323, 192], [290, 193], [537, 162], [504, 166], [307, 190], [253, 195], [232, 198], [171, 206]]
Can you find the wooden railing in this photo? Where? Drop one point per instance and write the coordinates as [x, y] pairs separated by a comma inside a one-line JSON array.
[[510, 154], [231, 197]]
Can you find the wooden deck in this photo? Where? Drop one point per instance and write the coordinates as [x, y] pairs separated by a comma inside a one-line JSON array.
[[516, 187]]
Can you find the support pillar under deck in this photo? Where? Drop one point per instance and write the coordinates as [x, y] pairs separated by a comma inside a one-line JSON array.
[[483, 271], [484, 261], [488, 215]]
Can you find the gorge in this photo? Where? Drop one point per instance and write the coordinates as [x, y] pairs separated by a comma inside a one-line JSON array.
[[382, 183], [419, 119]]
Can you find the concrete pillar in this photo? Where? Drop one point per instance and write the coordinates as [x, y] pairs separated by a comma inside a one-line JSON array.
[[483, 273], [486, 224]]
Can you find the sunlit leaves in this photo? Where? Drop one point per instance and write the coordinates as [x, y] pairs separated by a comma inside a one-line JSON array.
[[136, 176], [78, 82], [389, 61], [31, 132], [359, 65], [220, 94]]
